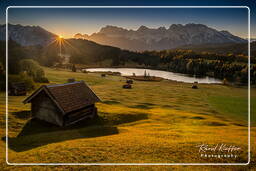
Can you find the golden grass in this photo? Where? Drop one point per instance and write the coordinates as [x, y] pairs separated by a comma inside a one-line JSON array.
[[153, 122]]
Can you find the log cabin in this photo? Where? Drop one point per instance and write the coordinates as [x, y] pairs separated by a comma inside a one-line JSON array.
[[63, 104]]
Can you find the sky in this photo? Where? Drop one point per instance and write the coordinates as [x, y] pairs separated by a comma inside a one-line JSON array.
[[69, 21]]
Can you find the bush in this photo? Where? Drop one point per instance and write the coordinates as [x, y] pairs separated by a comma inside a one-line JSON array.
[[225, 81], [2, 77], [2, 70], [2, 82], [42, 80], [74, 68], [30, 84], [33, 69]]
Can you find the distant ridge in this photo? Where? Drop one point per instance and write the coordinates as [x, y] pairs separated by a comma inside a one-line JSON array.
[[143, 38], [27, 35], [161, 38]]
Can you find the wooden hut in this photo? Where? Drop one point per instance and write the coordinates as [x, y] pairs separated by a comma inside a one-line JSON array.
[[71, 80], [127, 86], [129, 81], [63, 104], [194, 86], [17, 89]]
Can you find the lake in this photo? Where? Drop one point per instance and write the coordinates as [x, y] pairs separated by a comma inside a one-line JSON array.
[[158, 73]]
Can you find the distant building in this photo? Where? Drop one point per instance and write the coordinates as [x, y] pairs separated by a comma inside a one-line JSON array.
[[63, 104], [17, 89], [71, 80], [65, 58]]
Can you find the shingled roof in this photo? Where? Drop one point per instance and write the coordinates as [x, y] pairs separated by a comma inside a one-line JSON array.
[[68, 97]]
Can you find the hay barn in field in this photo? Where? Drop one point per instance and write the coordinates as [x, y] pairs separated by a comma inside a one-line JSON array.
[[17, 89], [63, 104]]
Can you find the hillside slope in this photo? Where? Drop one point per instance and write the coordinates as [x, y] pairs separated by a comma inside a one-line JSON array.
[[153, 122], [237, 48]]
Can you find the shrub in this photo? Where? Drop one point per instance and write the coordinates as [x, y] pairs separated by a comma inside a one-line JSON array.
[[2, 77], [225, 81], [30, 84], [2, 82], [43, 80], [33, 69], [74, 68]]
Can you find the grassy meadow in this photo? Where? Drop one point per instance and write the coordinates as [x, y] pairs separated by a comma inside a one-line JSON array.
[[154, 122]]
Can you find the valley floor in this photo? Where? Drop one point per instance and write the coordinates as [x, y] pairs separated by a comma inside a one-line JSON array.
[[154, 122]]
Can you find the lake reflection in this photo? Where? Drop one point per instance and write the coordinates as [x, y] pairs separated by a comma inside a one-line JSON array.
[[163, 74]]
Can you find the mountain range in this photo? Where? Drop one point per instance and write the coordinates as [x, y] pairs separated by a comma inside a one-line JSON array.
[[27, 35], [145, 38]]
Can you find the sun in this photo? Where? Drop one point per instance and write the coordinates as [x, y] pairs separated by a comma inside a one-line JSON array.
[[60, 36]]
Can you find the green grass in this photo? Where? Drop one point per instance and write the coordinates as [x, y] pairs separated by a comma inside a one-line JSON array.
[[235, 107], [153, 122]]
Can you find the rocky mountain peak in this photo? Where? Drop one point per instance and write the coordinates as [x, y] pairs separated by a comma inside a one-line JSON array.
[[176, 35], [142, 28], [109, 29], [27, 35], [161, 28], [143, 38]]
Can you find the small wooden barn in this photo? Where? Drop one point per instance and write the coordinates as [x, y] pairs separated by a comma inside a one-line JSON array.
[[63, 104], [17, 89], [71, 80]]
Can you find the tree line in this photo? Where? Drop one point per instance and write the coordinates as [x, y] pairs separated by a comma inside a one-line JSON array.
[[229, 66], [22, 67]]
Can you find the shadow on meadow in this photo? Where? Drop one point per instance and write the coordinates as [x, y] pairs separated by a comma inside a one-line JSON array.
[[111, 102], [36, 133], [25, 114], [143, 106]]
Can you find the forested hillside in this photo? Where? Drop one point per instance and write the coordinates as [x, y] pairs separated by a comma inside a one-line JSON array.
[[230, 66], [238, 48]]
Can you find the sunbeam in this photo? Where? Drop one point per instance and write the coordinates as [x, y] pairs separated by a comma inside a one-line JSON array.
[[74, 48]]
